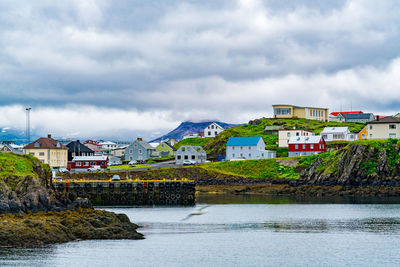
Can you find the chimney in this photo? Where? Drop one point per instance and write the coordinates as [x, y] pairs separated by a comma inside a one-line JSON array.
[[48, 135], [139, 139], [77, 141]]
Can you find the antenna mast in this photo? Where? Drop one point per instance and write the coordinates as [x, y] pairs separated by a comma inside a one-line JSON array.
[[28, 125]]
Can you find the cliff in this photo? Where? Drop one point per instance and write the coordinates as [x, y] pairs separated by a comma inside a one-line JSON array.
[[361, 163]]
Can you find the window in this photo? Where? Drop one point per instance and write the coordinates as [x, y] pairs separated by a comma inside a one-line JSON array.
[[304, 146], [249, 147], [392, 126], [216, 133], [282, 111], [370, 135], [212, 126], [130, 158], [193, 157], [241, 148], [392, 135], [140, 151], [130, 151], [296, 147], [297, 134], [178, 157], [86, 163], [310, 112], [312, 146], [78, 164], [162, 145], [37, 144], [249, 155], [288, 134], [233, 155], [233, 148], [92, 163], [241, 155], [135, 145], [186, 157], [41, 153], [363, 135], [209, 133], [370, 127], [262, 154], [32, 153]]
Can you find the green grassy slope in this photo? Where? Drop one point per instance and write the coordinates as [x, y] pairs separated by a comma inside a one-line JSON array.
[[216, 146], [195, 141], [16, 165]]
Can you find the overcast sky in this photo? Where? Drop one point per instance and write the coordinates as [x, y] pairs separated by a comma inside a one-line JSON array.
[[123, 68]]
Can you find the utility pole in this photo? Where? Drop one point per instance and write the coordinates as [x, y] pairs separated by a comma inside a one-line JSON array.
[[28, 125]]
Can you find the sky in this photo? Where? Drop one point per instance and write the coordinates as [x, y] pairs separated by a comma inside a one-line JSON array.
[[125, 68]]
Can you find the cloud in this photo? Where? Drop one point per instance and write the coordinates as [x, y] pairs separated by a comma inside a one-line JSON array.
[[228, 60]]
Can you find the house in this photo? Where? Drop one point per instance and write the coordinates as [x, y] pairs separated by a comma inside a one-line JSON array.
[[76, 148], [388, 127], [338, 134], [19, 149], [212, 130], [285, 135], [250, 147], [289, 111], [49, 151], [140, 150], [112, 161], [118, 152], [306, 145], [339, 116], [93, 145], [363, 134], [361, 117], [172, 141], [191, 135], [397, 115], [165, 149], [83, 163], [6, 148], [193, 153], [272, 129], [107, 147]]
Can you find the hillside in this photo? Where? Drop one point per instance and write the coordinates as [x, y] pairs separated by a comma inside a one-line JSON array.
[[216, 146], [189, 127]]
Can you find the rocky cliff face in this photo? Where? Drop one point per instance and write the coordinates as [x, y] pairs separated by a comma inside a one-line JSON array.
[[31, 193], [359, 164]]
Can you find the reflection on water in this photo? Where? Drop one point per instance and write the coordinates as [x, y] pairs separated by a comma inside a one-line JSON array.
[[249, 233]]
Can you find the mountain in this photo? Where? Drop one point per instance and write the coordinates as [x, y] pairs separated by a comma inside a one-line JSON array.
[[18, 136], [189, 127]]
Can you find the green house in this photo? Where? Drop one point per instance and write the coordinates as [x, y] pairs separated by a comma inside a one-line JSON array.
[[165, 149]]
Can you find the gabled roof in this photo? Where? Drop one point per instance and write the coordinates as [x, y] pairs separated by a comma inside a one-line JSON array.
[[90, 158], [107, 143], [169, 145], [7, 148], [335, 130], [315, 139], [346, 112], [78, 146], [144, 144], [243, 141], [388, 119], [45, 142], [358, 116], [185, 148]]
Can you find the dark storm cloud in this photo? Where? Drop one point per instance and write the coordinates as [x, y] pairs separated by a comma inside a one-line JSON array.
[[198, 59]]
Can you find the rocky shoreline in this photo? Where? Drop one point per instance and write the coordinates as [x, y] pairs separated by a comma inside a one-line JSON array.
[[36, 229]]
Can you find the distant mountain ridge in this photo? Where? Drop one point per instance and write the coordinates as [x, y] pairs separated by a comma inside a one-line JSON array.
[[190, 127], [11, 134]]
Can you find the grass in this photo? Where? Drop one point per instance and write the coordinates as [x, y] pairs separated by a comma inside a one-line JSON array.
[[16, 165], [128, 167], [263, 169], [195, 141]]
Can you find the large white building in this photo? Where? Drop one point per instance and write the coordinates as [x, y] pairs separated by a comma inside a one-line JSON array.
[[192, 153], [213, 130], [338, 134], [388, 127], [250, 147], [285, 135]]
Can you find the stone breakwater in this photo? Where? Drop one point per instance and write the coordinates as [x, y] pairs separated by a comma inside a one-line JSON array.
[[36, 229]]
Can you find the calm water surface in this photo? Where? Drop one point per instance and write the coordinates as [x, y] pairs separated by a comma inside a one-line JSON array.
[[251, 232]]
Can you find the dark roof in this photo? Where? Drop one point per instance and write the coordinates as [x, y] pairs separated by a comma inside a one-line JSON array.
[[358, 116], [388, 119], [78, 146], [45, 142]]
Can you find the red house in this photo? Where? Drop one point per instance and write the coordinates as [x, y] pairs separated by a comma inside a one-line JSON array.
[[82, 163], [306, 145]]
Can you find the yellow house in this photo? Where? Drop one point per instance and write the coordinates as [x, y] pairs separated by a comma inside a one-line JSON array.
[[166, 147], [48, 151], [311, 113], [363, 134]]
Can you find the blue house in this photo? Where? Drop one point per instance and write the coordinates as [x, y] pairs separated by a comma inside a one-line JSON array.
[[250, 147], [140, 150]]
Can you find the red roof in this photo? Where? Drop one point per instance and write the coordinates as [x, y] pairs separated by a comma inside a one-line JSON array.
[[346, 112]]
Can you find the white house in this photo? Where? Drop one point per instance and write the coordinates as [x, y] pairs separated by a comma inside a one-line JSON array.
[[108, 145], [191, 135], [193, 153], [251, 147], [212, 130], [338, 134], [285, 135]]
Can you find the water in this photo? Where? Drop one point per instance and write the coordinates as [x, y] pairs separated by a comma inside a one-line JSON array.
[[241, 234]]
